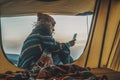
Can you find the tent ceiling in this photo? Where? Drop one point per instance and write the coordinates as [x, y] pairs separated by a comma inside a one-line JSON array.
[[63, 7]]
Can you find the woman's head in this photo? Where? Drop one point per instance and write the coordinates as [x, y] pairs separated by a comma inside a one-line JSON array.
[[45, 23], [44, 19]]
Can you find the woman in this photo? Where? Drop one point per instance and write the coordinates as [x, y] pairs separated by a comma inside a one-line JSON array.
[[41, 41]]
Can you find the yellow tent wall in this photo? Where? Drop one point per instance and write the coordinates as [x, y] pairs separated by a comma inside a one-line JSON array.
[[29, 7], [103, 47], [5, 65]]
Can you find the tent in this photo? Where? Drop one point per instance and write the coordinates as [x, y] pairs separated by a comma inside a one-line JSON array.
[[102, 50]]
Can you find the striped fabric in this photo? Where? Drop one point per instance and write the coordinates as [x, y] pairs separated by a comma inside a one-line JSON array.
[[34, 46]]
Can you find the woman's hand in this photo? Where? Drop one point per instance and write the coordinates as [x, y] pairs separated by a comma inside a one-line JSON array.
[[72, 42]]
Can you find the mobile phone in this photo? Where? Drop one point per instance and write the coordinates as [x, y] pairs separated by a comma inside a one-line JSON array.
[[74, 36]]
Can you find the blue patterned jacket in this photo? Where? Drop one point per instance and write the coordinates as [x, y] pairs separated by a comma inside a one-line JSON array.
[[34, 46]]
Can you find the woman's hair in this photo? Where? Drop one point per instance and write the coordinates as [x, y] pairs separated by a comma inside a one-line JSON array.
[[45, 20], [43, 24]]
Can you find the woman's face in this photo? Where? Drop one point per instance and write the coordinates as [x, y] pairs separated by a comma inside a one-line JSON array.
[[52, 29]]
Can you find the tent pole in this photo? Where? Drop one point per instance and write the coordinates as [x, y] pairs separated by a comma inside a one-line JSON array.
[[96, 9], [104, 35]]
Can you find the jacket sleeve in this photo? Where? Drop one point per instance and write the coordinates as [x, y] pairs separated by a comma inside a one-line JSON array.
[[59, 50], [54, 46]]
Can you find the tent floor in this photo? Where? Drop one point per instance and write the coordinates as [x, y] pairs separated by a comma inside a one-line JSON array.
[[112, 75]]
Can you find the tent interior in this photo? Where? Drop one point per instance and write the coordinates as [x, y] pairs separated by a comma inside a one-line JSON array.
[[102, 50]]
